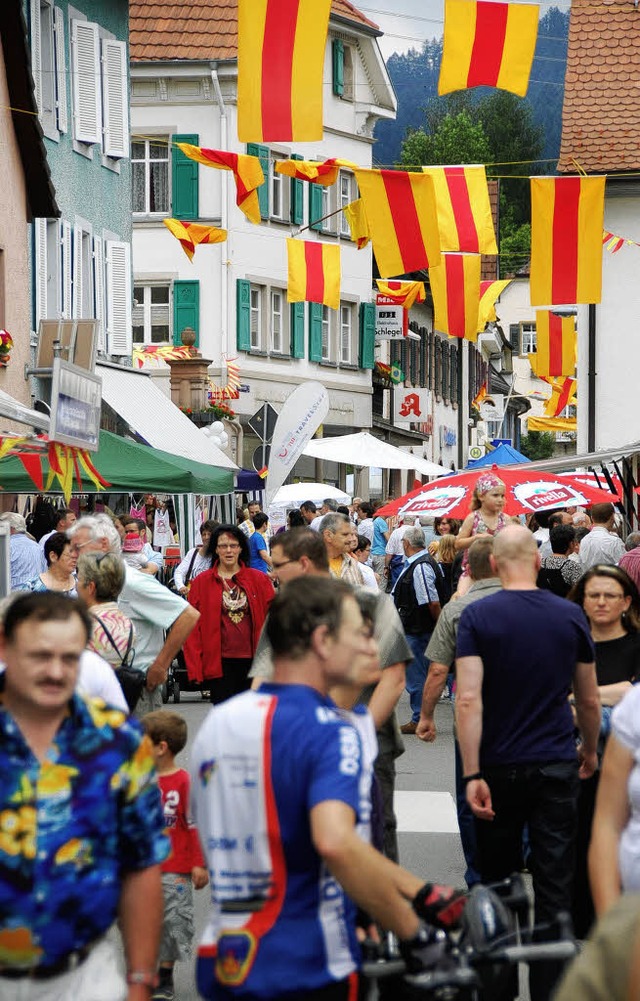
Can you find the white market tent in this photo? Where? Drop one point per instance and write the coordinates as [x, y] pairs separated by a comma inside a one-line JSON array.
[[298, 493], [363, 449]]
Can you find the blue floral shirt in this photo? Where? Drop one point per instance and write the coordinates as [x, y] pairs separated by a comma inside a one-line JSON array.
[[70, 828]]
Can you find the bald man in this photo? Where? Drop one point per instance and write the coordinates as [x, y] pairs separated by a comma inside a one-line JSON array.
[[521, 653]]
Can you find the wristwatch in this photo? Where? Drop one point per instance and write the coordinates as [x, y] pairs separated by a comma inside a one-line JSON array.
[[472, 778]]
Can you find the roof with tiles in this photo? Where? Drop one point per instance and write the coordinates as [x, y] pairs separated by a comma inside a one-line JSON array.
[[200, 29], [601, 112]]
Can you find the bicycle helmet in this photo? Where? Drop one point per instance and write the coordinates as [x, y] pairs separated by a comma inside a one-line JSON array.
[[485, 920]]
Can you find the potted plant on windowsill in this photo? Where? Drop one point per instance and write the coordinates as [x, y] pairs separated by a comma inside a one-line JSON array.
[[209, 415]]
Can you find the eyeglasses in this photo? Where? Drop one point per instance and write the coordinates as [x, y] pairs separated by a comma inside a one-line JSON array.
[[279, 566], [603, 596]]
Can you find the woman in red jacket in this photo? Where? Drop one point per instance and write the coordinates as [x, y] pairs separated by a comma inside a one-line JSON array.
[[233, 601]]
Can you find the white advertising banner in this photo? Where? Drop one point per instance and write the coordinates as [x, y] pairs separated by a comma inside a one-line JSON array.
[[392, 322], [411, 405], [299, 419]]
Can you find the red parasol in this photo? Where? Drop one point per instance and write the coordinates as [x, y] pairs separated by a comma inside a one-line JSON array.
[[527, 492]]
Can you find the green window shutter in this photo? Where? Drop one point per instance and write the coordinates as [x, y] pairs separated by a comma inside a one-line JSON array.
[[186, 309], [243, 314], [315, 207], [262, 152], [338, 66], [315, 331], [514, 337], [297, 196], [367, 334], [297, 330], [184, 180]]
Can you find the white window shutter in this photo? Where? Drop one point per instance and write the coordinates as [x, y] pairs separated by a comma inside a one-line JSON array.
[[98, 285], [61, 72], [119, 338], [36, 50], [40, 229], [66, 271], [77, 273], [85, 48], [115, 98]]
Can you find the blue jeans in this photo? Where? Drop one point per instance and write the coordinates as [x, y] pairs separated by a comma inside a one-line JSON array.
[[416, 673]]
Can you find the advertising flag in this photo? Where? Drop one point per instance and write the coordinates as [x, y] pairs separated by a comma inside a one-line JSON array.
[[566, 240], [302, 414], [455, 286], [556, 345], [314, 272], [247, 173], [401, 210], [357, 221], [488, 44], [191, 234], [405, 294], [465, 221], [325, 173], [281, 46], [489, 292]]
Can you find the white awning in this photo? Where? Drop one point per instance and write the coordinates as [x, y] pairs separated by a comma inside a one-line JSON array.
[[155, 418]]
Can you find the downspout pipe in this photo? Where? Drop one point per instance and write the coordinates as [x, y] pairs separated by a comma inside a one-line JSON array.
[[591, 380]]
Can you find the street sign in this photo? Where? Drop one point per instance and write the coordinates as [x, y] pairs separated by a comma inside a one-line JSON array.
[[260, 458], [392, 321], [76, 398], [263, 422], [476, 452], [410, 406]]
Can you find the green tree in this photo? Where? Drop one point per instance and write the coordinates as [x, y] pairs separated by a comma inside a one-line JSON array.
[[537, 445], [457, 139], [516, 142], [515, 247]]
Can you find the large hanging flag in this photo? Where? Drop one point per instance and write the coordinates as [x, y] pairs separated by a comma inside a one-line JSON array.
[[566, 240], [556, 345], [247, 172], [487, 44], [314, 272], [325, 173], [455, 286], [563, 394], [559, 425], [465, 221], [192, 234], [401, 210], [489, 292], [405, 294], [281, 46], [356, 218]]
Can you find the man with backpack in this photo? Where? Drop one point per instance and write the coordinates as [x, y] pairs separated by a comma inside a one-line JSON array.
[[557, 572], [419, 594]]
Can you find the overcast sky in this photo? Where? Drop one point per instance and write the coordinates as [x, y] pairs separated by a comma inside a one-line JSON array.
[[406, 23]]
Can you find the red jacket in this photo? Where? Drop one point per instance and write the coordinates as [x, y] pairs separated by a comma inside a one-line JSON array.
[[202, 649]]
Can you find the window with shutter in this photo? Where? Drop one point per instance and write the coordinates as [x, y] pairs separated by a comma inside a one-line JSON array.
[[61, 71], [297, 196], [36, 50], [338, 66], [262, 152], [151, 313], [528, 338], [184, 180], [40, 259], [297, 329], [98, 286], [315, 331], [316, 207], [115, 98], [444, 347], [67, 272], [367, 334], [243, 314], [514, 337], [118, 287], [85, 68], [186, 309], [454, 350], [424, 346]]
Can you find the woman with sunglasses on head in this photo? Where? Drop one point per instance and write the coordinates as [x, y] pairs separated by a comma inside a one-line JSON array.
[[611, 603], [233, 601]]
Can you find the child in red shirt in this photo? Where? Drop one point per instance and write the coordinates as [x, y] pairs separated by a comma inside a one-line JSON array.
[[185, 867]]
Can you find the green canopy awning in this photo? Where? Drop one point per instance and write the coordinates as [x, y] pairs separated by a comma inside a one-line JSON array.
[[129, 468]]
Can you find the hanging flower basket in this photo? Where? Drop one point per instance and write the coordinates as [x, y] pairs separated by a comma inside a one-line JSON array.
[[6, 345]]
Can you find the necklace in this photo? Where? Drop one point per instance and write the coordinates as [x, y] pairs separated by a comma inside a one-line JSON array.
[[234, 600]]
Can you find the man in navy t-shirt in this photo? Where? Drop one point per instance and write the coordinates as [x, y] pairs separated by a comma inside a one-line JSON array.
[[520, 653]]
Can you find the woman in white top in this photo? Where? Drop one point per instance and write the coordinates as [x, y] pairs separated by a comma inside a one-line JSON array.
[[196, 561]]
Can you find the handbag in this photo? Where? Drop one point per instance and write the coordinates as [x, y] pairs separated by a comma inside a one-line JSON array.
[[131, 680]]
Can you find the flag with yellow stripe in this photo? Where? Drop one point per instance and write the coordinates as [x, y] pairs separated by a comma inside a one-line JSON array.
[[566, 240], [191, 234], [563, 394], [324, 173], [465, 221], [455, 286], [489, 293], [556, 345], [405, 294], [313, 272], [247, 172], [356, 218], [281, 47]]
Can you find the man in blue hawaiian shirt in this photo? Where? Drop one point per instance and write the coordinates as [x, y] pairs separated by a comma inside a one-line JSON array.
[[81, 824]]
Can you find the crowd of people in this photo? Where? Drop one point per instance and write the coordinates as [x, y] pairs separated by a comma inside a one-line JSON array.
[[305, 640]]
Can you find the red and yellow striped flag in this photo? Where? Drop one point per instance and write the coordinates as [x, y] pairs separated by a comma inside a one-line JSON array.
[[563, 394], [281, 46], [465, 221], [356, 218], [556, 424], [455, 286], [481, 395], [566, 240], [488, 44], [247, 173], [191, 234], [489, 292], [556, 345], [405, 294], [325, 173], [401, 211], [314, 272]]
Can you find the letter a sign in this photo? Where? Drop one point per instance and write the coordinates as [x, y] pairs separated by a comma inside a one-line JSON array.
[[411, 406]]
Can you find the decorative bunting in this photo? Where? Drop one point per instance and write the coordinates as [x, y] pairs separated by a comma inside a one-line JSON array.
[[281, 47], [231, 391], [192, 234], [356, 218], [556, 345], [488, 44], [401, 211], [247, 172], [489, 293], [455, 286], [32, 464], [465, 221], [614, 243], [391, 372], [563, 394], [325, 173], [314, 272], [555, 424], [566, 240], [156, 355], [405, 294]]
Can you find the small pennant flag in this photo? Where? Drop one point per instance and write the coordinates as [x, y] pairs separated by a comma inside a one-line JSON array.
[[455, 287], [489, 293], [465, 221], [247, 172], [263, 473], [192, 234], [563, 394], [401, 210], [405, 294], [281, 47], [325, 173], [488, 44], [481, 395], [357, 221], [314, 272], [566, 240], [396, 374], [556, 345]]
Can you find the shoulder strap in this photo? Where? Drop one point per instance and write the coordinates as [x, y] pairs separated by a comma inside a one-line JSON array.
[[123, 659], [190, 570]]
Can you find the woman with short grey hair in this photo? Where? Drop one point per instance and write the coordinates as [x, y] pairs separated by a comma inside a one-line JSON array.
[[100, 580]]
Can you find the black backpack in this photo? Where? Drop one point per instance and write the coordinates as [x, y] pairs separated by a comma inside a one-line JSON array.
[[551, 579]]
